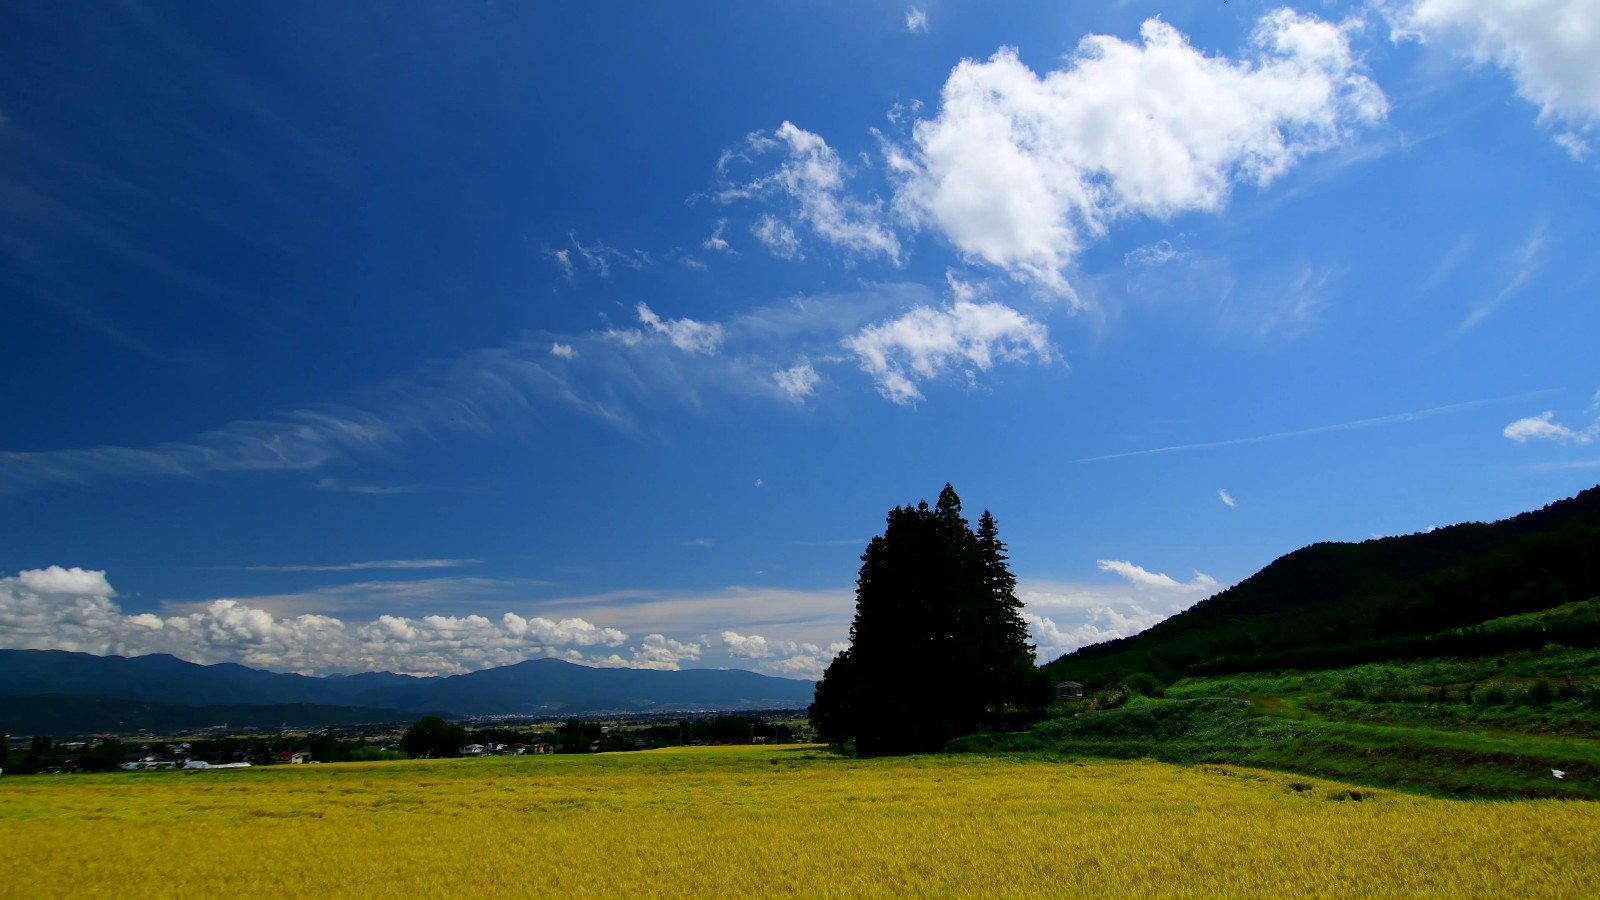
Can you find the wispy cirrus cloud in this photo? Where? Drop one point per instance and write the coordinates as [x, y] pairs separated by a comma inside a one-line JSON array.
[[365, 566], [1374, 422], [617, 378], [1525, 264], [341, 486]]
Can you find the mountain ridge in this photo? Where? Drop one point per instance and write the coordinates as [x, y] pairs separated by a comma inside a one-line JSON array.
[[536, 687]]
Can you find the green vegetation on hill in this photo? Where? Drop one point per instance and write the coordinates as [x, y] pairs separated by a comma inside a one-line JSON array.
[[1463, 662], [1422, 595]]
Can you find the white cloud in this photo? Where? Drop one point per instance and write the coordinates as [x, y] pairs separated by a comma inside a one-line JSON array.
[[563, 260], [1093, 626], [1543, 427], [364, 566], [916, 20], [1152, 255], [797, 382], [717, 242], [55, 580], [793, 659], [339, 485], [748, 647], [1225, 497], [925, 342], [1020, 171], [1064, 617], [760, 483], [564, 351], [812, 179], [615, 380], [1526, 263], [661, 652], [777, 237], [685, 334], [1574, 144], [602, 257], [1548, 46], [73, 609], [1145, 578]]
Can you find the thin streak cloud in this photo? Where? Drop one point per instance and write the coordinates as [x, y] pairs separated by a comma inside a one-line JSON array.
[[365, 566], [1394, 419]]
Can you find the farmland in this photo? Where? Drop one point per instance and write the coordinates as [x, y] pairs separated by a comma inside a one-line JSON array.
[[777, 820]]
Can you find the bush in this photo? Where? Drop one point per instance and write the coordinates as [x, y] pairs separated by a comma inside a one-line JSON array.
[[1144, 683], [1492, 696], [1542, 692]]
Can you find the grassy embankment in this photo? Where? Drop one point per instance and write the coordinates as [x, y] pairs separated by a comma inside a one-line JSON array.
[[1487, 727], [775, 821]]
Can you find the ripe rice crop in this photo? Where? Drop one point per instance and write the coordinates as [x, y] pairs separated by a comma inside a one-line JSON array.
[[753, 822]]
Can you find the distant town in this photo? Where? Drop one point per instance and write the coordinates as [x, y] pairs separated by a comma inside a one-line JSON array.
[[221, 747]]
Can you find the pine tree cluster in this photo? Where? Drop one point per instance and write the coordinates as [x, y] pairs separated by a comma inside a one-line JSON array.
[[938, 647]]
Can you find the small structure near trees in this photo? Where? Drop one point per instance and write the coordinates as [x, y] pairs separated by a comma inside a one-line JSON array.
[[1069, 690]]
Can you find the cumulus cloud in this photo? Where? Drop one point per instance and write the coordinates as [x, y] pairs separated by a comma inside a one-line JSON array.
[[1543, 427], [792, 659], [1145, 578], [1063, 617], [1549, 47], [797, 382], [661, 652], [55, 580], [74, 609], [685, 334], [1227, 498], [564, 351], [925, 342], [917, 20], [1021, 171], [810, 179]]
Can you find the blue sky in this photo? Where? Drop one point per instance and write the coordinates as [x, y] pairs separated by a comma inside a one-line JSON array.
[[342, 337]]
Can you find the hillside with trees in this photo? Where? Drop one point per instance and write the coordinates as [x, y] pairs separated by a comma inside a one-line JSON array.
[[938, 647], [1341, 604]]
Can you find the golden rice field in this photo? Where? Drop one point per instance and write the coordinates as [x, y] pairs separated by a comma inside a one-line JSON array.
[[756, 822]]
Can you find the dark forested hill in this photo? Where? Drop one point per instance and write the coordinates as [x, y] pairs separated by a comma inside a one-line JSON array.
[[1337, 604], [118, 688]]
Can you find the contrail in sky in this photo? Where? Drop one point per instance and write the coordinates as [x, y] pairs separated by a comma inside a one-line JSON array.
[[1394, 419]]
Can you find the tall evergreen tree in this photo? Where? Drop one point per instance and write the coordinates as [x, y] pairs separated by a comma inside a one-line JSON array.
[[938, 647]]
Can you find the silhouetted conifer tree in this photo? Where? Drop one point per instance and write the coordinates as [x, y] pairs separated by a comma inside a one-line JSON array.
[[938, 647]]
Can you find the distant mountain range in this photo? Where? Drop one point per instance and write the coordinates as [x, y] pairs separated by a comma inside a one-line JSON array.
[[1430, 595], [55, 690]]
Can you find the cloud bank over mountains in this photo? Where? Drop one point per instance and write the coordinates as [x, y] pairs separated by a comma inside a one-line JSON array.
[[75, 609]]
